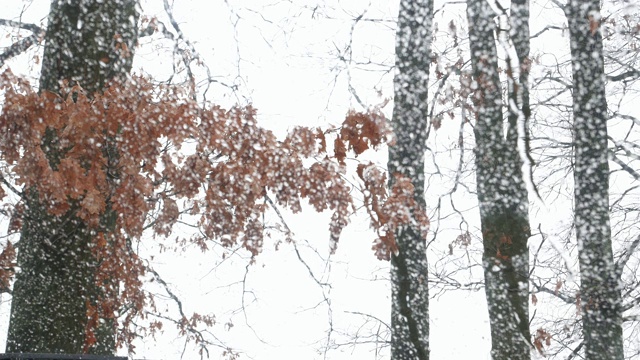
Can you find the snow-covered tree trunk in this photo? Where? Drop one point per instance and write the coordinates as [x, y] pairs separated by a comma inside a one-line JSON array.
[[88, 42], [502, 193], [600, 298], [410, 300]]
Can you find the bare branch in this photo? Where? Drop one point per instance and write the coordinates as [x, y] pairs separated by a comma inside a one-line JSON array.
[[25, 26], [23, 44]]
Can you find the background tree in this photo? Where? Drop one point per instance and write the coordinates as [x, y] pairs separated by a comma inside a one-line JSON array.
[[600, 298], [88, 43], [555, 266], [409, 283], [502, 194]]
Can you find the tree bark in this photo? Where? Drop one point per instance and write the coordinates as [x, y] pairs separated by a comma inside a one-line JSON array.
[[88, 42], [600, 297], [502, 193], [410, 295]]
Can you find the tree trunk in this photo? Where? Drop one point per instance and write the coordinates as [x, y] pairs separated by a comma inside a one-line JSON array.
[[502, 193], [410, 296], [600, 298], [88, 42]]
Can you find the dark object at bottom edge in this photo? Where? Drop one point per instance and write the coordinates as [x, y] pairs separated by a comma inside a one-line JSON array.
[[28, 356]]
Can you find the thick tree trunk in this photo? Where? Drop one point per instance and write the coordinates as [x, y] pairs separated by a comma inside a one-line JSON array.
[[410, 300], [599, 285], [502, 193], [88, 42]]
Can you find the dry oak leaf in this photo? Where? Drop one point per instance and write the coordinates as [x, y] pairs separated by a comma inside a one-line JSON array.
[[7, 263]]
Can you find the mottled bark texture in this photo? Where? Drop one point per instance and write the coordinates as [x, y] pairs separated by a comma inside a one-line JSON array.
[[88, 42], [502, 193], [409, 311], [600, 298]]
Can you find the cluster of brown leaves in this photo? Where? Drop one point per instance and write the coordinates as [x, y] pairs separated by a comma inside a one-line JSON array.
[[93, 320], [7, 265], [388, 212], [360, 131], [120, 151], [463, 240], [541, 339]]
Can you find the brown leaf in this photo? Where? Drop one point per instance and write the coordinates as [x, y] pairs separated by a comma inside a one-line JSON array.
[[323, 141], [558, 286], [7, 263], [339, 150], [541, 339], [436, 122], [15, 224]]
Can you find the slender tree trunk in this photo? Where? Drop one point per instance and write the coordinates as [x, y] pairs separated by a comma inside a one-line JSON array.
[[599, 285], [88, 42], [410, 300], [502, 193]]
